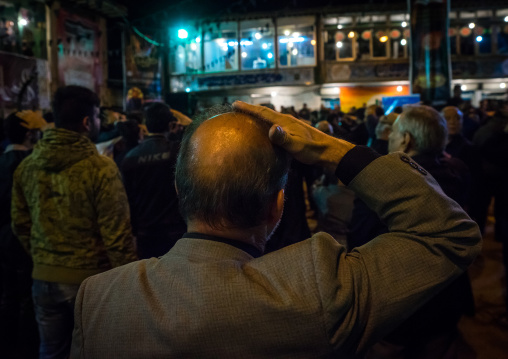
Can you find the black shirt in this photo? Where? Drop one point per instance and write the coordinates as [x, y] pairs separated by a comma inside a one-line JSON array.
[[148, 173]]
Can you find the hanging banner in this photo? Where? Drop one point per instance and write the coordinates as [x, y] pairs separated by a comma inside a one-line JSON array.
[[143, 64], [43, 84], [78, 51], [430, 73], [18, 82]]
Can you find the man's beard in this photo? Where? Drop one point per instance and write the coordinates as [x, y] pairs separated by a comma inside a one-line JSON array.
[[94, 133]]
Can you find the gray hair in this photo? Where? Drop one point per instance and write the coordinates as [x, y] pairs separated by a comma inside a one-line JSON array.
[[426, 126]]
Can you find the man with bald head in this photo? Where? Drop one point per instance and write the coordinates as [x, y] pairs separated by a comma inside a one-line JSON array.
[[215, 295]]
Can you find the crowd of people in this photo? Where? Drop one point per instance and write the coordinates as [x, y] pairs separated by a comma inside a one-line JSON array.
[[185, 209]]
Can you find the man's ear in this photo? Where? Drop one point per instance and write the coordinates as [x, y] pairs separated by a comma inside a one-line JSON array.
[[86, 123], [277, 207], [173, 125], [408, 142]]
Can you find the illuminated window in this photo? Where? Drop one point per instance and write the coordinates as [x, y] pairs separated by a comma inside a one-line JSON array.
[[380, 44], [483, 37], [502, 39], [186, 53], [398, 43], [256, 43], [221, 47], [467, 40], [296, 41]]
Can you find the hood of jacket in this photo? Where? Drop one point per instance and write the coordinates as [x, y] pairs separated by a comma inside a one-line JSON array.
[[61, 148]]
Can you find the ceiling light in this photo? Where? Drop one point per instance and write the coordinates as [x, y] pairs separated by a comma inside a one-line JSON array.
[[183, 34]]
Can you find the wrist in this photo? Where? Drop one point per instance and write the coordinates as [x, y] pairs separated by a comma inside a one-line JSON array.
[[334, 153]]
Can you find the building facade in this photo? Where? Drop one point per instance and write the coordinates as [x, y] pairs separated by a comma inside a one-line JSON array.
[[342, 56]]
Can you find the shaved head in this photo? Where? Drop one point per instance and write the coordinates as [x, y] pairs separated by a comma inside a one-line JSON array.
[[228, 172]]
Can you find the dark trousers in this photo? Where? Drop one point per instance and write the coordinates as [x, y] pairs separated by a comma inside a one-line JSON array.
[[19, 337], [54, 310], [493, 187]]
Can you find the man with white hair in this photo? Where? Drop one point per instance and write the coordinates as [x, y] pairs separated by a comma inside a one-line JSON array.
[[421, 133]]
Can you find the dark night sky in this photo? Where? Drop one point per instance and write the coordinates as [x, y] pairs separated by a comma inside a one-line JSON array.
[[150, 13], [188, 9]]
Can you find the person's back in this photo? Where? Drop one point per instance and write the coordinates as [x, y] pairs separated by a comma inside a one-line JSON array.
[[61, 185], [147, 173], [421, 133], [214, 295], [71, 214], [18, 329]]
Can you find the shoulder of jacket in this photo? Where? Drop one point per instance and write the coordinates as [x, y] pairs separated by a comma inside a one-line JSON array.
[[26, 162]]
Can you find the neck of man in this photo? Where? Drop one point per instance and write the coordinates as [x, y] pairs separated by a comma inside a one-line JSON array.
[[411, 153], [256, 236]]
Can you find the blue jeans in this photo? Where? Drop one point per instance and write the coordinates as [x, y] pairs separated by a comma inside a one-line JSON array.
[[54, 311]]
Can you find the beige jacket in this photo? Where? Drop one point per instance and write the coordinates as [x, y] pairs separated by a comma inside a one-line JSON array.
[[206, 299]]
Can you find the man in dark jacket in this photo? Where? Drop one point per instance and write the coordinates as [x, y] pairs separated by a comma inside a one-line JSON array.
[[148, 176], [18, 329], [421, 133]]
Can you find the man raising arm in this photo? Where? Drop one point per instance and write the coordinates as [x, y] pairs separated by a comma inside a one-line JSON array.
[[215, 295]]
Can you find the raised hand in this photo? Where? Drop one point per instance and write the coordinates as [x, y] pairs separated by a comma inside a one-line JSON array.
[[304, 142]]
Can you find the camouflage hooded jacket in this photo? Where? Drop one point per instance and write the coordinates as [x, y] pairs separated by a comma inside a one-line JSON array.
[[70, 210]]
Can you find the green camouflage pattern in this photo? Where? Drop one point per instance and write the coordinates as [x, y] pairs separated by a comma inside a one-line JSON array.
[[70, 209]]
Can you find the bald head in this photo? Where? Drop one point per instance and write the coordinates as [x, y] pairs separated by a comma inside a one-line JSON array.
[[325, 127], [221, 142], [453, 117], [228, 172]]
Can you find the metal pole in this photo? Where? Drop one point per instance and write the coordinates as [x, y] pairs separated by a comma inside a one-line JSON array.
[[124, 68]]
